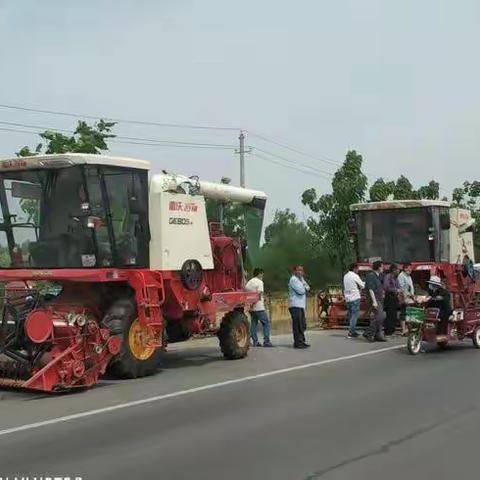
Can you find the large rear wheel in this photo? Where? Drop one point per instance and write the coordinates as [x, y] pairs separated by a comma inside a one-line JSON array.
[[234, 335], [137, 357]]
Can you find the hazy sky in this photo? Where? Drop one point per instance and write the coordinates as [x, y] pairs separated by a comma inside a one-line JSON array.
[[398, 81]]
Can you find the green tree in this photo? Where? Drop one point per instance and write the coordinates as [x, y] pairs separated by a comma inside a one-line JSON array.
[[85, 139], [289, 242], [332, 210], [403, 189], [381, 190], [430, 191]]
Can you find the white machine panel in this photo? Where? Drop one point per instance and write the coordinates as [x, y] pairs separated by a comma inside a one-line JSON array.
[[179, 231], [461, 242]]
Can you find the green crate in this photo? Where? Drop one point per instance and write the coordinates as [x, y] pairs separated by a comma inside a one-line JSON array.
[[415, 315]]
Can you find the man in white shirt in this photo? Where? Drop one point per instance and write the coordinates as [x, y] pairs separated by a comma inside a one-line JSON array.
[[352, 284], [257, 311]]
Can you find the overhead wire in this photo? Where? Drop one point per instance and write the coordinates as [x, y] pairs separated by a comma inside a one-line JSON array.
[[173, 145], [155, 142], [291, 167], [281, 157], [118, 138], [117, 120], [294, 149]]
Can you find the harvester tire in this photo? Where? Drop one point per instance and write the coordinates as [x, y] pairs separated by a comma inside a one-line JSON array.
[[119, 319], [234, 335]]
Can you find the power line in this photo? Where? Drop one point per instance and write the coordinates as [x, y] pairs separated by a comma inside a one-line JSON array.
[[169, 125], [295, 150], [154, 142], [151, 144], [317, 170], [270, 160], [117, 120], [137, 140]]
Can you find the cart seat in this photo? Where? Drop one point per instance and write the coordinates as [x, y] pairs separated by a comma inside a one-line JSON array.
[[432, 314]]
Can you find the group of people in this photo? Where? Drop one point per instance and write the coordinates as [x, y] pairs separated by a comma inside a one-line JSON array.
[[297, 299], [387, 293]]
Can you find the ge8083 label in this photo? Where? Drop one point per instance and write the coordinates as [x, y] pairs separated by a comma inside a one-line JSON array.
[[179, 221]]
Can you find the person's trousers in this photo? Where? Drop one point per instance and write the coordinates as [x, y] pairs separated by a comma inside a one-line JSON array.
[[353, 308], [299, 325], [262, 317], [375, 329], [391, 311]]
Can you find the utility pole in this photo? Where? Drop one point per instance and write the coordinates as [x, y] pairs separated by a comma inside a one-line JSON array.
[[241, 152]]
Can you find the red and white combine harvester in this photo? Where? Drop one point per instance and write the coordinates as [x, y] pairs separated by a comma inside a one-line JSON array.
[[104, 263], [435, 238]]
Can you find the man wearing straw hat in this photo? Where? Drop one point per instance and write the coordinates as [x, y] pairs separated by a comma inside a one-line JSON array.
[[440, 298]]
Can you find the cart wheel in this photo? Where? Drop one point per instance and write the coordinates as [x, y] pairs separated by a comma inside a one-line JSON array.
[[414, 343], [476, 338], [443, 344]]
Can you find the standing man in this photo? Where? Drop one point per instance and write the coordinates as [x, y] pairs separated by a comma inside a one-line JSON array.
[[297, 302], [352, 284], [257, 311], [391, 302], [375, 296], [407, 294]]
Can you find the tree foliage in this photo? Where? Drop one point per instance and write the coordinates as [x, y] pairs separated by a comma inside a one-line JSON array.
[[289, 242], [403, 189], [85, 139], [332, 210]]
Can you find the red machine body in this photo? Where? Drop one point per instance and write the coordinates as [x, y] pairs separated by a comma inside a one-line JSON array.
[[80, 349]]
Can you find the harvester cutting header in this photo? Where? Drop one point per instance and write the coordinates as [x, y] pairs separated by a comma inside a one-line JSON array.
[[134, 262]]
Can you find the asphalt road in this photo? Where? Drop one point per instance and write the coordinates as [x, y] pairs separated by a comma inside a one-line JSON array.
[[336, 411]]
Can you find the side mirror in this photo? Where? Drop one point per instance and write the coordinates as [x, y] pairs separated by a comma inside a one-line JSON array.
[[352, 226]]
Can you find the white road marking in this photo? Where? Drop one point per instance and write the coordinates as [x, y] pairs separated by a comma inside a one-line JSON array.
[[181, 393]]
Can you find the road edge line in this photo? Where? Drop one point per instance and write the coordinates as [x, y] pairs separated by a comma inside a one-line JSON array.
[[181, 393]]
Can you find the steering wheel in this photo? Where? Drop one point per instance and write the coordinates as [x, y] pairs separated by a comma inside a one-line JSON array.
[[191, 274]]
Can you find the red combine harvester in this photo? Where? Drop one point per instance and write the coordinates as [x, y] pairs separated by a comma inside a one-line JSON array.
[[103, 264], [431, 235]]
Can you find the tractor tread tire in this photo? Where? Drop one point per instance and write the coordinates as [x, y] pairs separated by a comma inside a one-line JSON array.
[[228, 343], [118, 320]]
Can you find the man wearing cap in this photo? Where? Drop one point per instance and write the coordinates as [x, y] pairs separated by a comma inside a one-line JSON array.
[[375, 297], [440, 298]]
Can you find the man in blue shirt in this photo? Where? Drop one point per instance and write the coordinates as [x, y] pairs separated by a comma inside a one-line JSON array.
[[297, 301]]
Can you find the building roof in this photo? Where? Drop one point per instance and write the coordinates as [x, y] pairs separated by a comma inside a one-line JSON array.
[[65, 159], [398, 204]]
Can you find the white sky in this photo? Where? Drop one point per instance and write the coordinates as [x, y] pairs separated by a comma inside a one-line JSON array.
[[396, 80]]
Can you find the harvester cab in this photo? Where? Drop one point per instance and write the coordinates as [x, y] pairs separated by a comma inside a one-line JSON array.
[[412, 231], [103, 263]]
